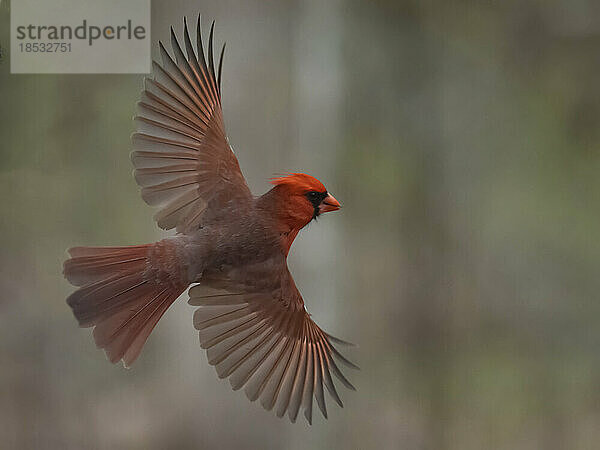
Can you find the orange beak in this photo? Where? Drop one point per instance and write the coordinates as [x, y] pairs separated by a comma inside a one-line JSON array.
[[328, 204]]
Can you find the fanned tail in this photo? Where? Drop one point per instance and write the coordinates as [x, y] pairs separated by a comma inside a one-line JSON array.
[[123, 292]]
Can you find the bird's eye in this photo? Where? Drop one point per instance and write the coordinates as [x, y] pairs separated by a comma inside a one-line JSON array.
[[315, 197]]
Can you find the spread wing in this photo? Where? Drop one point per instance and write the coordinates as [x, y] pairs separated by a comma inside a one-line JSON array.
[[267, 342], [182, 159]]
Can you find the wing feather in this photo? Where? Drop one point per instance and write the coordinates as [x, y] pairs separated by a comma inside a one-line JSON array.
[[299, 381], [327, 381], [181, 156], [269, 346], [309, 384], [284, 396], [270, 386]]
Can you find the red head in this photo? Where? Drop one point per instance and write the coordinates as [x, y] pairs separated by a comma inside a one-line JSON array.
[[300, 198]]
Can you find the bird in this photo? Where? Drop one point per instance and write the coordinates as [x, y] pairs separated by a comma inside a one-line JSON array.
[[230, 246]]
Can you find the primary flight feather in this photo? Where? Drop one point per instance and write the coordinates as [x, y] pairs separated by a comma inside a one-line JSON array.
[[233, 246]]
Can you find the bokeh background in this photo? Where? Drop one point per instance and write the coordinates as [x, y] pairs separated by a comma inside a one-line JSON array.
[[463, 140]]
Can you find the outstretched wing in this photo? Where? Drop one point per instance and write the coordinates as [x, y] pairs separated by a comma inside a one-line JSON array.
[[267, 342], [181, 156]]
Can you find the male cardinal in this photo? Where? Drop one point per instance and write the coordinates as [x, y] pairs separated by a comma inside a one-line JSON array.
[[251, 316]]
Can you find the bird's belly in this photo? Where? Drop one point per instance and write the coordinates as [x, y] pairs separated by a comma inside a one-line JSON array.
[[258, 276], [232, 252]]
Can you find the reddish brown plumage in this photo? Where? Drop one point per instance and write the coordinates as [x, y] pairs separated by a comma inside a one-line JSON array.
[[251, 317], [124, 292]]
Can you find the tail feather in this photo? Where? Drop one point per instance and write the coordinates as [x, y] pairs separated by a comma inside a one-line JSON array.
[[120, 294], [89, 264]]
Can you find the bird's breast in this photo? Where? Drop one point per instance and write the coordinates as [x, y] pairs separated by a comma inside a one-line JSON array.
[[235, 245]]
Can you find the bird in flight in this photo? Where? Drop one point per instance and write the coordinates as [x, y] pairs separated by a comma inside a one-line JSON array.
[[231, 245]]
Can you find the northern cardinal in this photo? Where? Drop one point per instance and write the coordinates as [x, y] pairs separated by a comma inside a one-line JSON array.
[[251, 317]]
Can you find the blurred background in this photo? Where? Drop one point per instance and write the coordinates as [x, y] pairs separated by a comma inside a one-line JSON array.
[[462, 139]]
